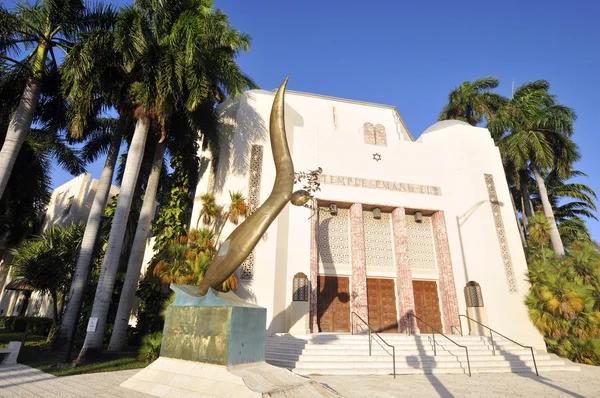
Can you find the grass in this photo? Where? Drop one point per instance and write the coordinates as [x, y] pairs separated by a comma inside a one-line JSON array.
[[37, 354]]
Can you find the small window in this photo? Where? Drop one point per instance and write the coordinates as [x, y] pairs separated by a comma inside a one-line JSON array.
[[374, 135], [300, 287], [473, 294], [69, 205]]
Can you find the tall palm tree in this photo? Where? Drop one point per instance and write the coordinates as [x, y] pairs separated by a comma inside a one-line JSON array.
[[94, 79], [572, 202], [153, 37], [538, 139], [473, 101], [43, 26], [218, 43]]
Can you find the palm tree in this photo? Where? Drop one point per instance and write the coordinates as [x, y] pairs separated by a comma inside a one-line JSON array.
[[224, 80], [578, 201], [43, 26], [210, 210], [29, 185], [538, 139], [45, 263], [473, 101], [237, 207], [94, 79], [154, 38]]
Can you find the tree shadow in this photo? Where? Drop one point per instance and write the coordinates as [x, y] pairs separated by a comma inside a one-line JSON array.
[[420, 362], [241, 126]]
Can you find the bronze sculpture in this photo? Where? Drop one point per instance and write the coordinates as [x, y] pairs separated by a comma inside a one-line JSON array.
[[244, 238]]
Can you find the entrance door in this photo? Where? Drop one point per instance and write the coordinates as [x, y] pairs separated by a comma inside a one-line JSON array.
[[381, 297], [333, 304], [427, 305]]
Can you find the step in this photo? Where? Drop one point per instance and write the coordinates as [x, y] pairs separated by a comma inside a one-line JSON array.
[[404, 371], [384, 357]]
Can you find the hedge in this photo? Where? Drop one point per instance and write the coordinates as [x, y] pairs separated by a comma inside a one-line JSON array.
[[38, 325]]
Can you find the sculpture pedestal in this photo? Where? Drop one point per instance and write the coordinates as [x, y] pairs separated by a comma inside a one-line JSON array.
[[218, 328], [214, 346]]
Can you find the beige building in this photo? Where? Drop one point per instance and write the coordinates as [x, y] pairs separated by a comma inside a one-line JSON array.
[[70, 202], [403, 227]]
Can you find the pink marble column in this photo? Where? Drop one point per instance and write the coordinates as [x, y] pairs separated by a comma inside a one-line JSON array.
[[447, 286], [314, 268], [405, 298], [358, 294]]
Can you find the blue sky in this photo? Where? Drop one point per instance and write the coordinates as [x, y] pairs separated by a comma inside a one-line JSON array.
[[412, 53]]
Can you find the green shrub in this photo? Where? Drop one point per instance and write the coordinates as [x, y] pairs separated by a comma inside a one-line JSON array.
[[150, 349], [17, 324]]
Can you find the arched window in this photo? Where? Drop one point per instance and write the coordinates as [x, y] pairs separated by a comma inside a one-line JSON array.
[[300, 286], [473, 294], [374, 135], [369, 133]]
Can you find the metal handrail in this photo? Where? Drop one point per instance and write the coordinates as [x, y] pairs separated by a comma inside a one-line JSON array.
[[492, 331], [371, 331], [454, 327], [434, 343]]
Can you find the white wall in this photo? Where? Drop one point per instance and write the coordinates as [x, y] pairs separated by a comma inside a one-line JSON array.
[[83, 190], [453, 158]]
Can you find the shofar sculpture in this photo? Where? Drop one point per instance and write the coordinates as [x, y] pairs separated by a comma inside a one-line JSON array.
[[244, 238]]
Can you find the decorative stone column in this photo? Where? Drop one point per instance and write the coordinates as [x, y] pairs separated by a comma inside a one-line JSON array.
[[314, 267], [358, 294], [405, 298], [447, 286]]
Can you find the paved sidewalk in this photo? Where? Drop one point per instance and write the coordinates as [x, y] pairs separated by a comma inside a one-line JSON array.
[[585, 383], [23, 381]]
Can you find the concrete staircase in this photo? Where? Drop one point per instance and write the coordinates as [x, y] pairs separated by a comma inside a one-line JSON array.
[[345, 354]]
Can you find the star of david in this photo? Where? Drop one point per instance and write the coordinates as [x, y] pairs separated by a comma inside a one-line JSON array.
[[376, 157]]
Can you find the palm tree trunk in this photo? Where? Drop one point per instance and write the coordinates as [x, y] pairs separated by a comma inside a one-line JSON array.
[[54, 309], [18, 128], [521, 233], [106, 282], [523, 216], [88, 243], [134, 265], [525, 193], [555, 239]]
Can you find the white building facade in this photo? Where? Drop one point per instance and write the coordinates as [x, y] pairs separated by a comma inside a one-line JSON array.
[[69, 203], [401, 227]]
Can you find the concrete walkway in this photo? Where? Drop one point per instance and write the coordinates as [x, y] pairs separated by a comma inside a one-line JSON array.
[[585, 383], [23, 381]]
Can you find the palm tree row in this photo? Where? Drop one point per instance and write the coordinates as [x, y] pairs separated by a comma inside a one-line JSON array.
[[534, 134], [162, 66]]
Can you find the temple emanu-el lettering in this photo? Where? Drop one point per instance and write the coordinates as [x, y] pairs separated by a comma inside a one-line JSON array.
[[401, 227]]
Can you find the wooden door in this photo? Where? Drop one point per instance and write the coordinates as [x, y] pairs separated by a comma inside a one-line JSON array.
[[333, 304], [427, 305], [381, 299]]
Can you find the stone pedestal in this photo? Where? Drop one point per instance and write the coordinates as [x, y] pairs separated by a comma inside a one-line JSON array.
[[214, 346], [218, 328], [299, 317]]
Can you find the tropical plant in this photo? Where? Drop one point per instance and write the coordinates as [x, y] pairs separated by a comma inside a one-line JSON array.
[[210, 210], [564, 300], [43, 26], [186, 260], [237, 207], [538, 139], [45, 263], [471, 102], [150, 348]]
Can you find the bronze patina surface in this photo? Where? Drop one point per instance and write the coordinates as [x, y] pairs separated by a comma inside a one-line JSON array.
[[197, 334], [244, 238], [218, 328]]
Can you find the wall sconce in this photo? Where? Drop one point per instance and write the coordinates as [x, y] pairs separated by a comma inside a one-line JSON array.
[[377, 213], [333, 209], [419, 217]]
